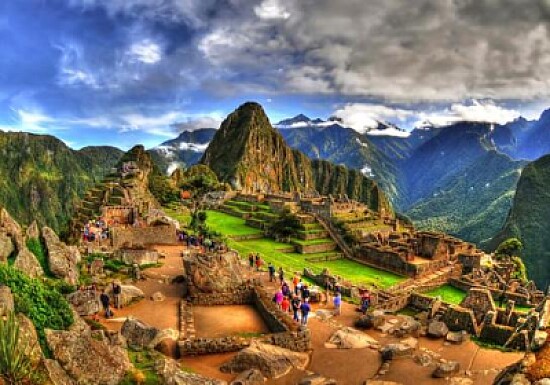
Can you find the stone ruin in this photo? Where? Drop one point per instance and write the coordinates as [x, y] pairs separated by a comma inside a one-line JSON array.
[[218, 279]]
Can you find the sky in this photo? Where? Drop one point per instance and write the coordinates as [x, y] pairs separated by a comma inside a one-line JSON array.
[[122, 72]]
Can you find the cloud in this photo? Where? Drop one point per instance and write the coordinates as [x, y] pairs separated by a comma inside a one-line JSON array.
[[475, 111], [146, 52], [195, 123], [363, 117], [271, 9]]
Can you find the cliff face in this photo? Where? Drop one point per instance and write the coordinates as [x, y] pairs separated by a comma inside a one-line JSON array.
[[252, 156], [529, 220]]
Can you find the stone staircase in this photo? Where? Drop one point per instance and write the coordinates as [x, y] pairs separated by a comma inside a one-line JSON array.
[[335, 235]]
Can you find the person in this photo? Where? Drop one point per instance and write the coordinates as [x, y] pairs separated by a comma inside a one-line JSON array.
[[251, 260], [105, 302], [285, 305], [298, 287], [258, 262], [271, 269], [337, 304], [365, 302], [285, 289], [295, 281], [136, 272], [117, 291], [281, 275], [305, 292], [305, 309], [295, 304], [279, 298]]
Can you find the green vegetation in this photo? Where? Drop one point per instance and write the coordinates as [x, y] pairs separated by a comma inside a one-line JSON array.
[[43, 303], [37, 248], [16, 367], [448, 293], [286, 225], [228, 225], [144, 372]]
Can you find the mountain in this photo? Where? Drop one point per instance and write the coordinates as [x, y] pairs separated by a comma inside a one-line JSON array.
[[183, 151], [400, 148], [528, 219], [41, 178], [251, 155]]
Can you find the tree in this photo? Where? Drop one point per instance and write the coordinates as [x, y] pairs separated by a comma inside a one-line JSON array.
[[509, 248], [16, 367], [285, 226]]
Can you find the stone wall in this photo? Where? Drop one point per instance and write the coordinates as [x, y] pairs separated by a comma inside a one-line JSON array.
[[311, 249], [200, 346], [421, 302], [458, 318], [141, 257], [240, 296], [519, 299], [133, 236]]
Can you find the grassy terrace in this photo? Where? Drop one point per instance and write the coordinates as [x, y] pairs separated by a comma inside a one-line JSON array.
[[274, 252]]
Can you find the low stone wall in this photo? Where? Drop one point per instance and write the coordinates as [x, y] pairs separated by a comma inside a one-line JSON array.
[[297, 341], [154, 235], [458, 318], [519, 299], [313, 235], [421, 302], [241, 296], [141, 257], [310, 249], [200, 346], [246, 237]]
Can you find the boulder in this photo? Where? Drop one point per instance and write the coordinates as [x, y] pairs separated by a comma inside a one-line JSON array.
[[157, 297], [85, 302], [272, 361], [365, 322], [28, 336], [392, 351], [28, 263], [62, 259], [87, 360], [446, 369], [437, 329], [56, 374], [539, 339], [165, 342], [171, 374], [138, 335], [6, 300], [32, 231], [128, 295], [316, 379], [349, 338], [461, 381], [211, 274], [11, 228], [456, 337], [249, 377], [6, 246]]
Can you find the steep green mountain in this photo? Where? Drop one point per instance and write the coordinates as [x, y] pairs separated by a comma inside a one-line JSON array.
[[41, 178], [528, 219], [472, 204], [251, 155]]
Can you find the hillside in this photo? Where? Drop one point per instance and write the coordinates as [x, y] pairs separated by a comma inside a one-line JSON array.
[[528, 219], [41, 178], [251, 155]]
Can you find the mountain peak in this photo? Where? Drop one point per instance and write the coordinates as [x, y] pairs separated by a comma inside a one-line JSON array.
[[300, 118]]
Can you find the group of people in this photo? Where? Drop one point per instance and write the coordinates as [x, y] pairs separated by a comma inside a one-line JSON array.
[[254, 260], [206, 244], [296, 300], [95, 230], [105, 299]]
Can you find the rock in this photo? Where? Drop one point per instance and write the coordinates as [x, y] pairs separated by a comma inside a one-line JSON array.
[[11, 228], [271, 360], [32, 231], [544, 381], [62, 259], [456, 337], [381, 382], [85, 302], [437, 329], [6, 300], [138, 335], [539, 339], [461, 381], [6, 247], [88, 360], [171, 374], [323, 314], [385, 327], [411, 341], [157, 297], [520, 379], [446, 369], [423, 359], [249, 377], [128, 295], [28, 336], [209, 274], [392, 351], [28, 263], [365, 322], [349, 338], [316, 379], [55, 373], [166, 342]]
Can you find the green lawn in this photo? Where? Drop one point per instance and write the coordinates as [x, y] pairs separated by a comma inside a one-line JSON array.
[[448, 294], [228, 225]]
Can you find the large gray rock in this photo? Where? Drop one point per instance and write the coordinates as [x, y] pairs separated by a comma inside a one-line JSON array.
[[6, 300], [85, 302], [27, 262], [171, 374], [88, 360], [437, 329], [316, 379], [249, 377], [138, 335], [6, 246], [272, 361], [129, 294], [209, 274], [56, 374], [62, 259], [11, 228], [349, 338], [446, 369], [29, 339]]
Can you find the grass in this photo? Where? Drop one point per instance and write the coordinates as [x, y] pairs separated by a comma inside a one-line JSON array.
[[144, 363], [228, 225], [320, 241], [448, 294]]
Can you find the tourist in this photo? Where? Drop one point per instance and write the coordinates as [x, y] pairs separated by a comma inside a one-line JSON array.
[[285, 305], [105, 302], [365, 302], [279, 298], [295, 281], [305, 309], [298, 287], [281, 275], [258, 262], [136, 273], [251, 260], [286, 290], [337, 304], [271, 270], [305, 292], [117, 291], [295, 304]]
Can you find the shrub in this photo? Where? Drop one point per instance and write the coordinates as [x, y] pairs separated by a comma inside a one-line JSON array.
[[35, 246], [41, 302]]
